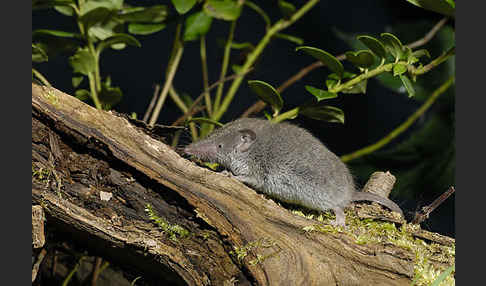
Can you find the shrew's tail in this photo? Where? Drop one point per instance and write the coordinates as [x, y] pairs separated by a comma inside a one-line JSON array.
[[365, 196]]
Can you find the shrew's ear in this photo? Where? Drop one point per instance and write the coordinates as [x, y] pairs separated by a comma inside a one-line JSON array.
[[247, 137]]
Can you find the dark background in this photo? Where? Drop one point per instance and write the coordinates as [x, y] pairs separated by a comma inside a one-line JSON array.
[[367, 117]]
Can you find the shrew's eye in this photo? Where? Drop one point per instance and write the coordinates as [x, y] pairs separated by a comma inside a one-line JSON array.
[[220, 146]]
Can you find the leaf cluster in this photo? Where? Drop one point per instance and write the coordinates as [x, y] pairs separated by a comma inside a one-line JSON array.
[[384, 54]]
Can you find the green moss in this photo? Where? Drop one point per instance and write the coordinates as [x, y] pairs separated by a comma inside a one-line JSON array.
[[241, 252], [41, 174], [172, 230], [368, 231], [51, 97]]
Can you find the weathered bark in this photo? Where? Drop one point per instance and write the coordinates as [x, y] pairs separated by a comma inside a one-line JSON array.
[[90, 151]]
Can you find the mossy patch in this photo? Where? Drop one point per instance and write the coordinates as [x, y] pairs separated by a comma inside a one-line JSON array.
[[172, 230], [369, 231], [240, 253]]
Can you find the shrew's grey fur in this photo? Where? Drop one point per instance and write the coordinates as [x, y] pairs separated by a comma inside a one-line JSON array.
[[285, 162]]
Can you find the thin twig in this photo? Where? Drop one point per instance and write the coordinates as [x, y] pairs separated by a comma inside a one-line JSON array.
[[37, 264], [442, 58], [152, 103], [96, 270], [191, 109], [429, 35], [182, 106], [54, 263], [204, 67], [171, 70], [40, 77], [224, 66], [425, 212], [191, 113], [259, 105]]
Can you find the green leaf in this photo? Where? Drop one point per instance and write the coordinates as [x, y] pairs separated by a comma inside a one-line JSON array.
[[420, 53], [153, 14], [286, 8], [103, 31], [76, 80], [96, 16], [407, 53], [202, 120], [375, 45], [56, 42], [82, 94], [117, 39], [63, 6], [424, 85], [87, 6], [55, 33], [399, 69], [319, 93], [408, 85], [197, 25], [267, 93], [38, 53], [65, 10], [362, 59], [444, 7], [109, 96], [222, 9], [333, 79], [182, 6], [322, 112], [82, 62], [242, 46], [290, 38], [452, 3], [332, 63], [145, 29], [331, 82], [360, 87], [393, 45]]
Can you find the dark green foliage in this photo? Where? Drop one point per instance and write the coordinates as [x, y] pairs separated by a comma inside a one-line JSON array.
[[196, 25], [326, 58], [445, 7], [286, 8], [373, 44], [38, 54], [267, 93], [182, 6], [222, 9], [83, 62], [322, 112], [362, 59], [319, 93], [393, 45], [397, 59]]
